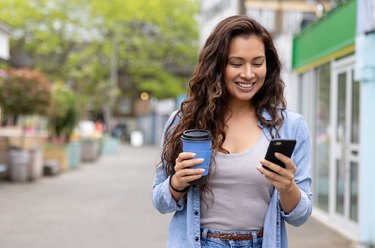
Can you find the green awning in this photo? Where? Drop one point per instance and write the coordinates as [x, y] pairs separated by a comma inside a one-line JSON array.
[[330, 37]]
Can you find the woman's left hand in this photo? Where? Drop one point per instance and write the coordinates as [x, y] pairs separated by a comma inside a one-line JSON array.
[[283, 180]]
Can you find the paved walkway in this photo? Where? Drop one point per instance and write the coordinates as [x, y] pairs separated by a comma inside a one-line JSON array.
[[106, 204]]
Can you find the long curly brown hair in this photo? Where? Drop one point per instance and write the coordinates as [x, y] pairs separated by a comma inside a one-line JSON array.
[[206, 104]]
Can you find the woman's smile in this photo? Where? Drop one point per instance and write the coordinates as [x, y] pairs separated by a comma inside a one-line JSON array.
[[245, 85]]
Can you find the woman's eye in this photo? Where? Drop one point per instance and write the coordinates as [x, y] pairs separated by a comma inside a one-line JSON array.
[[236, 65]]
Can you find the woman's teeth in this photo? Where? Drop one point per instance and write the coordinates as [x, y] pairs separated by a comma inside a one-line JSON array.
[[246, 85]]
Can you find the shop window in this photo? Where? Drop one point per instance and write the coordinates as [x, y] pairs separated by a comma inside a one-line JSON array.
[[322, 138]]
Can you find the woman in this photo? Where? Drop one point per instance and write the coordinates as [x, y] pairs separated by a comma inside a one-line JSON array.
[[236, 92]]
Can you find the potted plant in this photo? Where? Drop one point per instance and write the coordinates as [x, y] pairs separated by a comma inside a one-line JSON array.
[[63, 116], [24, 92]]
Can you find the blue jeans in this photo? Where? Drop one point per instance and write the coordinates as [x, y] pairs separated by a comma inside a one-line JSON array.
[[210, 242]]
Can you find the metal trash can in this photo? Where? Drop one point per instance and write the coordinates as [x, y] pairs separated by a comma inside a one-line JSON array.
[[19, 165], [36, 163]]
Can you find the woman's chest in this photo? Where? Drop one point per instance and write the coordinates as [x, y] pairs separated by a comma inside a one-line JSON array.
[[242, 136]]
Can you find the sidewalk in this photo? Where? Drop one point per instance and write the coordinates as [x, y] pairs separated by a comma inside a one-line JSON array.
[[106, 205], [315, 234]]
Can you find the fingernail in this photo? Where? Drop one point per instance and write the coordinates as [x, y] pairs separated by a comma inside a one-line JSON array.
[[202, 170]]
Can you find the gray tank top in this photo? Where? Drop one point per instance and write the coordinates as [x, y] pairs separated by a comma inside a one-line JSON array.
[[240, 193]]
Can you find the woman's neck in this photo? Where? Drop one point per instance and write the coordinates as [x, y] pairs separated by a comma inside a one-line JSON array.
[[240, 108]]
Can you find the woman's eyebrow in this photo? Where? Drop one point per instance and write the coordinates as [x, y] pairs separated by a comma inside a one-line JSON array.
[[255, 58], [259, 57], [235, 57]]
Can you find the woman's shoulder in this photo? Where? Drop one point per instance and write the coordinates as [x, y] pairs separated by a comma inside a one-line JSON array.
[[174, 118], [292, 116], [294, 123]]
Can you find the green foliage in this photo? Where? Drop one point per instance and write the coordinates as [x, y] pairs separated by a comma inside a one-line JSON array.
[[155, 41], [63, 113], [24, 92], [162, 85]]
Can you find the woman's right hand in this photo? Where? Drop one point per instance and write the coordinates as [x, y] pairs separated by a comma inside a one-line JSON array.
[[184, 174]]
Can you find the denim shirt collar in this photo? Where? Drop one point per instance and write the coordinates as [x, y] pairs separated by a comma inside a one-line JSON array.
[[267, 116]]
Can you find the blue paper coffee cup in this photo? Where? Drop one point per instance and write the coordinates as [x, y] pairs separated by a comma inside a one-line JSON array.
[[198, 141]]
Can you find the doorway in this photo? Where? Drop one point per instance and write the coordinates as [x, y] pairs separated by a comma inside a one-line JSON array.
[[344, 162]]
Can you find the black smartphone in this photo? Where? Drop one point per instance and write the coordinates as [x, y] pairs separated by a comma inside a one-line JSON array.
[[283, 146]]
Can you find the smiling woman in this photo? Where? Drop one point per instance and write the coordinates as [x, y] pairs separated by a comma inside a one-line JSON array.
[[236, 93], [246, 68]]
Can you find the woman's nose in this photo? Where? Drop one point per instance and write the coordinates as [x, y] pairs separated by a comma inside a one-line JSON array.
[[247, 72]]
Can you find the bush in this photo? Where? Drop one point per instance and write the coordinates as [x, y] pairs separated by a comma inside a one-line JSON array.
[[63, 113], [24, 92]]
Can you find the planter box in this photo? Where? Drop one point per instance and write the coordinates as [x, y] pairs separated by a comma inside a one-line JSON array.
[[90, 149], [68, 155], [58, 153], [74, 154], [25, 140], [4, 157], [109, 145]]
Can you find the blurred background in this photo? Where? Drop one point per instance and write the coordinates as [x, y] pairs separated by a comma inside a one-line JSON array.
[[79, 79]]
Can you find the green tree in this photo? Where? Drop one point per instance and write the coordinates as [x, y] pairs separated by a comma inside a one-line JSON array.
[[155, 42]]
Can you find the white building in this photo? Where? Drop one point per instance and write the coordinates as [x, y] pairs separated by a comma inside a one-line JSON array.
[[4, 41], [4, 51], [213, 11], [334, 58]]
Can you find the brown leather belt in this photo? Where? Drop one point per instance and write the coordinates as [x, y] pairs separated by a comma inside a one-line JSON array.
[[234, 236]]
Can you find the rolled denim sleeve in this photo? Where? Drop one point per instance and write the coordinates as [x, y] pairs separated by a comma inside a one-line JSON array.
[[161, 194], [301, 212], [302, 159], [162, 197]]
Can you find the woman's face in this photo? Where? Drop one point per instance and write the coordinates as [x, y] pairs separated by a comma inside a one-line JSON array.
[[246, 68]]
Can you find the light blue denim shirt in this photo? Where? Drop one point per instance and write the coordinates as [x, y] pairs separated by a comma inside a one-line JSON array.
[[184, 228]]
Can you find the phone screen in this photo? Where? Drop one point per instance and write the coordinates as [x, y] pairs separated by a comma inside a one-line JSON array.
[[283, 146]]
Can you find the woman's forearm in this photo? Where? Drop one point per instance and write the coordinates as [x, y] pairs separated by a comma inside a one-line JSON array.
[[290, 199]]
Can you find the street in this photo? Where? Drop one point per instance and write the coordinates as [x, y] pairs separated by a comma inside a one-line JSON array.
[[106, 204]]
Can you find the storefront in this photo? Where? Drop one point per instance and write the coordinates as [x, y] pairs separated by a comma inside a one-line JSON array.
[[324, 56]]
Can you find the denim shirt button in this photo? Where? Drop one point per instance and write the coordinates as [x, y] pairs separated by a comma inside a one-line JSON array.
[[196, 238], [196, 213]]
